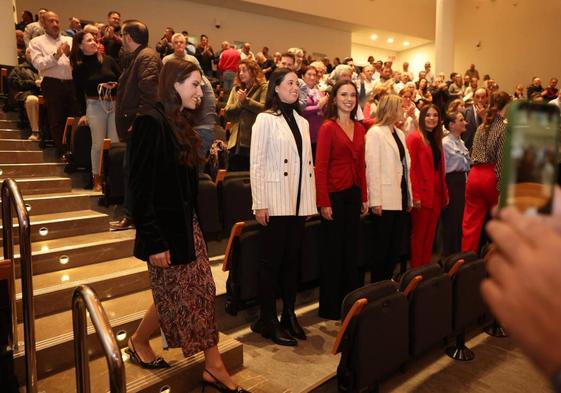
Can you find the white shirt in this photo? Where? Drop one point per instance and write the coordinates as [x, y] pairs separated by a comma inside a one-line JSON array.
[[556, 102], [43, 49]]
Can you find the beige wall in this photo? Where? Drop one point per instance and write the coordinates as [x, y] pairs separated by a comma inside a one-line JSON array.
[[8, 55], [277, 34], [517, 42], [360, 54], [416, 57]]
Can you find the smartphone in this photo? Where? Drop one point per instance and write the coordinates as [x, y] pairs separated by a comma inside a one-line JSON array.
[[530, 157]]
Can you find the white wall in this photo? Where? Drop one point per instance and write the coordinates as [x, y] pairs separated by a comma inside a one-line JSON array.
[[416, 57], [360, 54], [277, 34]]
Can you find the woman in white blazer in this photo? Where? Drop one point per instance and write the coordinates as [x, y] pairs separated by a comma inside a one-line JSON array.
[[283, 192], [389, 185]]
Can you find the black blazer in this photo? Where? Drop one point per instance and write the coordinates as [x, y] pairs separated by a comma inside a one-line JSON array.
[[164, 191], [471, 127]]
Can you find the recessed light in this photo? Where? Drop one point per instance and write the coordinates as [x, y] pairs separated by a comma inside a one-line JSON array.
[[65, 277], [374, 37], [390, 40], [406, 43]]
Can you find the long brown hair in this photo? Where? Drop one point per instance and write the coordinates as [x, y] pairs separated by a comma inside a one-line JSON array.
[[331, 111], [496, 104], [255, 72], [181, 120], [437, 131], [76, 54]]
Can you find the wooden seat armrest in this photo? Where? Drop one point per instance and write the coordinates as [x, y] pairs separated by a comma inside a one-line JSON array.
[[234, 233], [354, 311], [104, 147], [6, 270], [69, 123], [220, 176], [412, 285], [459, 263]]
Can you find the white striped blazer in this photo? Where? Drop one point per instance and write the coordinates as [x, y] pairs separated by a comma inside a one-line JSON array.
[[274, 167]]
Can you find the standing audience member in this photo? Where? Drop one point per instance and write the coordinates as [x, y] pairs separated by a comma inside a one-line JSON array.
[[550, 92], [246, 53], [205, 55], [457, 161], [246, 101], [267, 65], [164, 47], [475, 115], [341, 197], [283, 192], [35, 29], [410, 121], [430, 193], [472, 72], [168, 234], [482, 181], [95, 76], [470, 90], [24, 79], [178, 42], [228, 65], [389, 186], [49, 55], [315, 104], [535, 89], [112, 39], [26, 18], [137, 93]]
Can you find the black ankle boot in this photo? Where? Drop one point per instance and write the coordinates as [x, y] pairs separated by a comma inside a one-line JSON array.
[[273, 331], [291, 325]]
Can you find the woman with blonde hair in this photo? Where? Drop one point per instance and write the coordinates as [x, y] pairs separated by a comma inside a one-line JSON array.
[[389, 186], [246, 101]]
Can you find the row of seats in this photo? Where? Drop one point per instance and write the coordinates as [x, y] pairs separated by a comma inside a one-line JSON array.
[[388, 324]]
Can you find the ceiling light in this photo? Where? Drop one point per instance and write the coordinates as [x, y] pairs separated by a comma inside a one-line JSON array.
[[374, 37], [406, 43], [390, 40]]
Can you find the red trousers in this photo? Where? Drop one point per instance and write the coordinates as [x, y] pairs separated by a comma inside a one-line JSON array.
[[481, 196], [423, 228]]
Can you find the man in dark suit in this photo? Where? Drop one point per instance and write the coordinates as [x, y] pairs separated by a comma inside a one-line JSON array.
[[475, 115], [137, 93]]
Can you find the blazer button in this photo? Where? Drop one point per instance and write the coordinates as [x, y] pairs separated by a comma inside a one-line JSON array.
[[286, 161], [310, 175], [286, 173]]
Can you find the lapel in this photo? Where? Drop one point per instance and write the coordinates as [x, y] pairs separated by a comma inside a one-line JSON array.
[[285, 128], [345, 138], [387, 132]]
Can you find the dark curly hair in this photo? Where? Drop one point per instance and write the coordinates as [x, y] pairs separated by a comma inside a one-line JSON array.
[[496, 104]]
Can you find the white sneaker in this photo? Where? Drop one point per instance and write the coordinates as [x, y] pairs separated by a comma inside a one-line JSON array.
[[34, 136]]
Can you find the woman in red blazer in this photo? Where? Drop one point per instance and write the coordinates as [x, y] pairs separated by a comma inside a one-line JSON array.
[[341, 197], [430, 193]]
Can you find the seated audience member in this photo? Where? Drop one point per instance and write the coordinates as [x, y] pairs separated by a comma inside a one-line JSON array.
[[205, 55], [535, 87], [410, 121], [556, 101], [315, 105], [24, 79], [74, 27], [49, 54], [280, 149], [428, 184], [267, 65], [550, 92], [164, 47], [341, 197], [470, 90], [519, 93], [246, 101], [456, 88], [389, 186], [457, 162], [523, 284], [95, 77], [228, 65], [26, 18], [35, 29]]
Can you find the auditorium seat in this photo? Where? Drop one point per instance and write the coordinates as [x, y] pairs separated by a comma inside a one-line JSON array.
[[235, 199], [430, 311], [113, 181], [374, 338], [208, 207], [466, 272]]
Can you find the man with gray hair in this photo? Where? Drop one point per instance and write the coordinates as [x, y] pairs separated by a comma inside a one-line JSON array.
[[34, 29]]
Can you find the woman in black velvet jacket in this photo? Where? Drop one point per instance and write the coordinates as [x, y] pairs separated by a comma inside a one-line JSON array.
[[163, 180]]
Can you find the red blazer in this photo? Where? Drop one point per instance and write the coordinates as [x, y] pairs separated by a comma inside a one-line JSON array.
[[339, 161], [423, 175]]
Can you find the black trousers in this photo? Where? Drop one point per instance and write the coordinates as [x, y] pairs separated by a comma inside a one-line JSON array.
[[61, 102], [281, 242], [388, 234], [339, 272], [453, 214]]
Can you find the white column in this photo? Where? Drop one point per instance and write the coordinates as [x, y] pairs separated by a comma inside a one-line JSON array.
[[8, 53], [444, 37]]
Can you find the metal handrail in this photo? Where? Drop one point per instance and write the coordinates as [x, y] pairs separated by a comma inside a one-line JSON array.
[[12, 195], [85, 298]]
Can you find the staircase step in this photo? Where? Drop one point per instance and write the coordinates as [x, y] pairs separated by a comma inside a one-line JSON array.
[[9, 123], [184, 375], [58, 202], [52, 292], [70, 252], [21, 157], [18, 144], [31, 170], [11, 133], [58, 225], [44, 185]]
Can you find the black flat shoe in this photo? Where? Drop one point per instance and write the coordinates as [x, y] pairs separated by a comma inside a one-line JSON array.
[[220, 386], [292, 327], [158, 362]]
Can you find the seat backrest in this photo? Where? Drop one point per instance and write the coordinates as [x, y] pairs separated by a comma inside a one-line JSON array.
[[310, 252], [468, 304], [370, 292], [207, 201], [448, 262], [430, 312], [235, 199], [113, 170]]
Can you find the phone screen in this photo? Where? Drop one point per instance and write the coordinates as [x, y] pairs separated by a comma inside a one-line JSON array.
[[530, 158]]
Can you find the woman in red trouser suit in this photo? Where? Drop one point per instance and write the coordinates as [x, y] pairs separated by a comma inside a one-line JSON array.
[[430, 193], [486, 154]]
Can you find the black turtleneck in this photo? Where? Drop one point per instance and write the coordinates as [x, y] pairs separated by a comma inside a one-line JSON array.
[[287, 111], [436, 153]]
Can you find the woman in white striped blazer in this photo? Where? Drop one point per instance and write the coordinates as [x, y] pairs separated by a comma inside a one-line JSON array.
[[283, 192]]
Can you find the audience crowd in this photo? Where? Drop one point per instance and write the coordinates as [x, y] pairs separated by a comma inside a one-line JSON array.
[[410, 151]]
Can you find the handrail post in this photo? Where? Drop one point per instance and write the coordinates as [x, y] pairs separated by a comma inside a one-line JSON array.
[[11, 194], [85, 298]]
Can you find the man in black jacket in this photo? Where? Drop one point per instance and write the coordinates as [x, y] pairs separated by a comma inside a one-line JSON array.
[[475, 115]]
